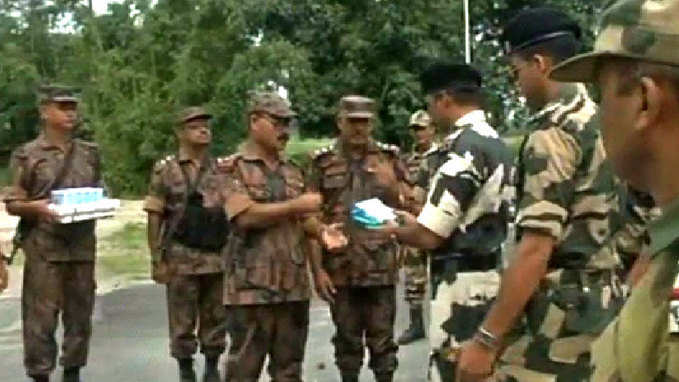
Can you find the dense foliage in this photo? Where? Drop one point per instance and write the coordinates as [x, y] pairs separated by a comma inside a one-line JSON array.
[[141, 60]]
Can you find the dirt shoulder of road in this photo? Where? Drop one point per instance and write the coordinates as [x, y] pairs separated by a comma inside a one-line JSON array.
[[122, 255]]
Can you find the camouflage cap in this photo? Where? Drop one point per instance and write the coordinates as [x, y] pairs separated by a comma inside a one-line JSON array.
[[58, 93], [420, 118], [647, 30], [356, 106], [192, 112], [271, 103]]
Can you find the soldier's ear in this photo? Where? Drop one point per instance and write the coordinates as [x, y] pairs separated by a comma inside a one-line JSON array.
[[543, 63], [652, 100]]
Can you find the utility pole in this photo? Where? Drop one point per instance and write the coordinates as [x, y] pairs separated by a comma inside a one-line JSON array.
[[467, 34]]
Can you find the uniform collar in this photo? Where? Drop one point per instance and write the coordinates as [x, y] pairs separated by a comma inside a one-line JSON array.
[[184, 157], [665, 230], [248, 153], [45, 144], [471, 118], [569, 96], [371, 148]]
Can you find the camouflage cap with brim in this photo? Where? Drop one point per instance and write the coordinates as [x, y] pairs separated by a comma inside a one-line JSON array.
[[420, 118], [191, 113], [58, 93], [645, 30], [270, 103], [356, 106]]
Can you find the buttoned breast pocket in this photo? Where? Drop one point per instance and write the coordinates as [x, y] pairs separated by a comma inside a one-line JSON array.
[[294, 185], [335, 177]]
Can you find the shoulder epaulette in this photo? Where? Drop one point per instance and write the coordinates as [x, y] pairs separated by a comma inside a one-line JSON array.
[[88, 144], [393, 149], [162, 164], [322, 151], [226, 163]]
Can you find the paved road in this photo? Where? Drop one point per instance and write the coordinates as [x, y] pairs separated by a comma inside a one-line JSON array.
[[130, 342]]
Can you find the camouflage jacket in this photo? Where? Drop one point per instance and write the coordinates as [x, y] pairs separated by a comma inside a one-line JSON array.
[[638, 210], [414, 162], [642, 344], [468, 175], [567, 189], [33, 168], [167, 197], [368, 261], [267, 265]]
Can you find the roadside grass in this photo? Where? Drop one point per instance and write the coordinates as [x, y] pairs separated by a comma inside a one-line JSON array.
[[125, 252]]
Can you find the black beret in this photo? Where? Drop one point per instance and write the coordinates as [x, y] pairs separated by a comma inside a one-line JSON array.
[[533, 26], [440, 76]]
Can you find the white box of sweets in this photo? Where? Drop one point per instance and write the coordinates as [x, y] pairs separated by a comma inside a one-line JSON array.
[[83, 203]]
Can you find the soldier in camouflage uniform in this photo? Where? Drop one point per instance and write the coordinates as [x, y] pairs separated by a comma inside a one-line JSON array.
[[464, 220], [59, 267], [358, 279], [266, 289], [192, 270], [564, 275], [635, 63], [414, 260]]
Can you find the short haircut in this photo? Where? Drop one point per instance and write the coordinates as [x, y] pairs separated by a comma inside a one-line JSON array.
[[558, 49], [630, 72]]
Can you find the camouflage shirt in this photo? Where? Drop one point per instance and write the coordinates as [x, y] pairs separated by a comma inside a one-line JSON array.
[[466, 202], [34, 167], [567, 188], [167, 197], [264, 265], [368, 261], [642, 344]]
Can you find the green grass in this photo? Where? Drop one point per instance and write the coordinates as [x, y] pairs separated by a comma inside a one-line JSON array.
[[125, 251]]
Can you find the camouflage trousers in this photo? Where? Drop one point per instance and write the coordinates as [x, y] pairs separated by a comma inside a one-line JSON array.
[[365, 312], [195, 302], [458, 308], [51, 288], [277, 330], [569, 311], [415, 269]]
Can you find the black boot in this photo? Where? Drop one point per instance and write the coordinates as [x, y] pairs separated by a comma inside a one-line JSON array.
[[384, 377], [416, 329], [349, 377], [211, 373], [40, 378], [71, 374], [186, 373]]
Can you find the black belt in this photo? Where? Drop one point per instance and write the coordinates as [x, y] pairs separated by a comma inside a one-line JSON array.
[[464, 262]]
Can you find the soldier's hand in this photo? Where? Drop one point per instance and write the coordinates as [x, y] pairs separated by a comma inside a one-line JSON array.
[[324, 286], [308, 202], [41, 209], [385, 174], [333, 238], [4, 275], [474, 362], [161, 272]]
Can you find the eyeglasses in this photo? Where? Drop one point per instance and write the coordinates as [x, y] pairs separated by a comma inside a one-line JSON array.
[[277, 122]]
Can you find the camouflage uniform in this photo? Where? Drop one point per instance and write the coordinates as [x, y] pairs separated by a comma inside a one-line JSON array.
[[266, 290], [642, 343], [194, 291], [466, 205], [567, 191], [414, 260], [366, 271], [59, 267]]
